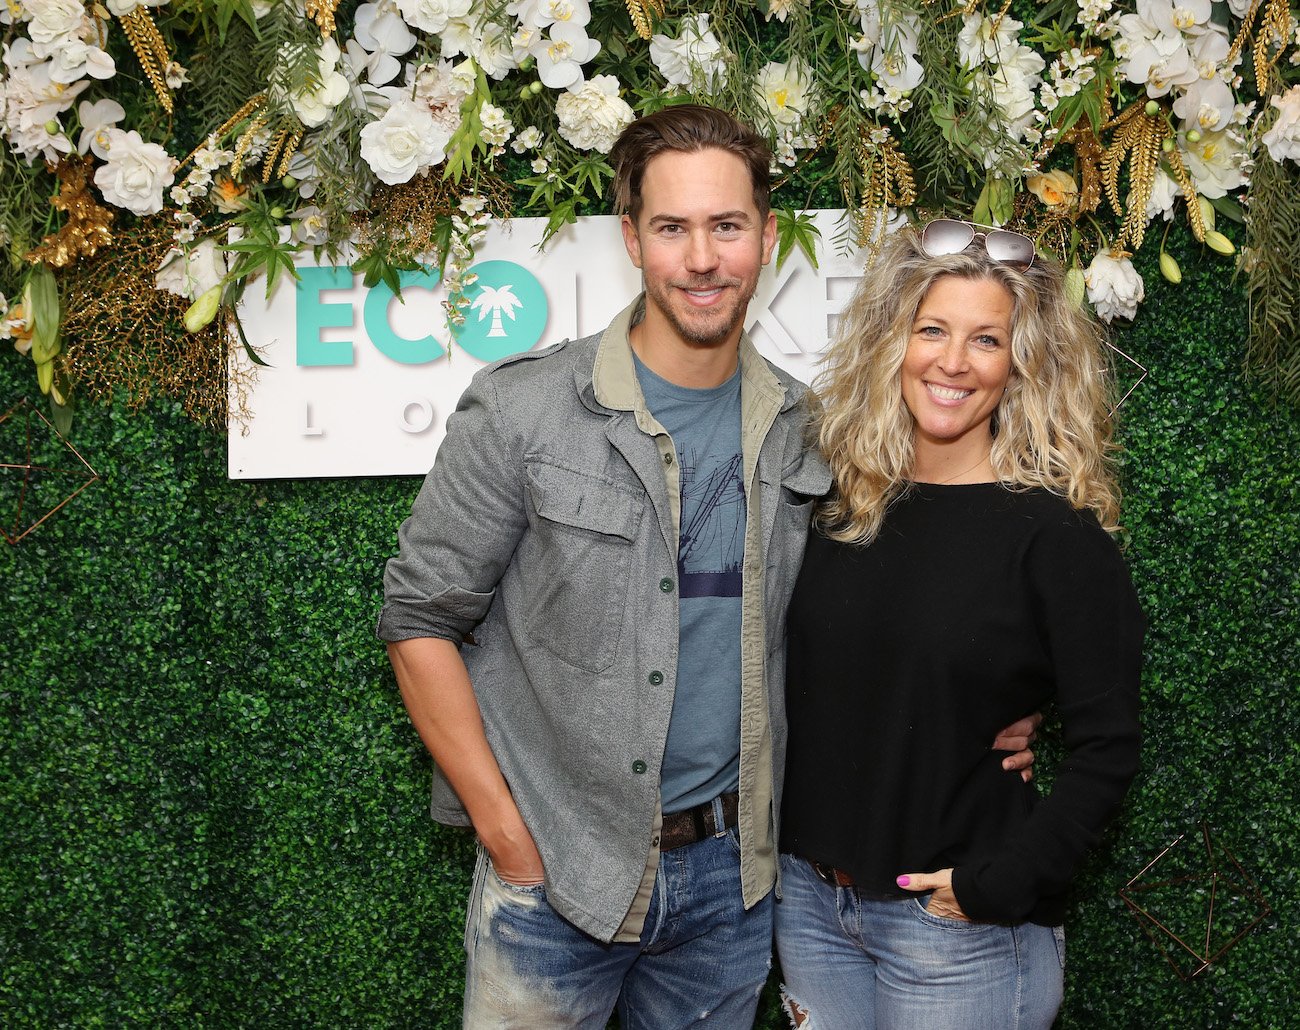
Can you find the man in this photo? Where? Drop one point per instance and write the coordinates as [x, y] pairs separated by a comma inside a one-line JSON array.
[[585, 620]]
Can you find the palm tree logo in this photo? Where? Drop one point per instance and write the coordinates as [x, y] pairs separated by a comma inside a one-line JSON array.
[[498, 301]]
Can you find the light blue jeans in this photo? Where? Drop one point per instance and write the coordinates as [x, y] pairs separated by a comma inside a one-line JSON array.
[[858, 963], [702, 959]]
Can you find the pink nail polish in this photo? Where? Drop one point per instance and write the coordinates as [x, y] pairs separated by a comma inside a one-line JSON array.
[[903, 881]]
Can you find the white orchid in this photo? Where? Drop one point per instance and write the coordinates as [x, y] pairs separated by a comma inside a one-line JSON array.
[[785, 90], [383, 36], [313, 104], [191, 273], [1216, 162], [96, 119], [1283, 138], [562, 53], [695, 59]]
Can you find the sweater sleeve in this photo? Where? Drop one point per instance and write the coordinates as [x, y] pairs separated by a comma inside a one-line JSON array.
[[1088, 616]]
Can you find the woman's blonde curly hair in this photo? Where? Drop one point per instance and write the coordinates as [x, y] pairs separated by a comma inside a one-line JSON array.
[[1051, 428]]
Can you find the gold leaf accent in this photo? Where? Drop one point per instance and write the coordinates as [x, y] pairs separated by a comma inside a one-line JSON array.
[[889, 183], [640, 11], [322, 13], [151, 50], [248, 107], [1139, 136], [87, 227], [244, 143]]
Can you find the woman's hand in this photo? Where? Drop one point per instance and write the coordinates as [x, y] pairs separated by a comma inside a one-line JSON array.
[[943, 902]]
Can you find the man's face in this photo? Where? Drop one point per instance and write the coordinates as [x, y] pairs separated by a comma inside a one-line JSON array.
[[700, 244]]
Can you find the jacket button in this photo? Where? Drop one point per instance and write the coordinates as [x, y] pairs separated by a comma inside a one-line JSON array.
[[668, 458], [666, 585], [638, 767], [656, 678]]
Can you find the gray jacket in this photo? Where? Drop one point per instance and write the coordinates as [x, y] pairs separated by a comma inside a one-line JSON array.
[[544, 541]]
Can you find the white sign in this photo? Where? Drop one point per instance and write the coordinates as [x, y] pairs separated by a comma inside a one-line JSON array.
[[360, 383]]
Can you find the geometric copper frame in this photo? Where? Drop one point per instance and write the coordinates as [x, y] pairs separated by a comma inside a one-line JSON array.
[[1215, 883], [26, 468]]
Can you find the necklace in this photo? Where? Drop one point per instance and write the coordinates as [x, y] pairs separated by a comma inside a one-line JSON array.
[[958, 475]]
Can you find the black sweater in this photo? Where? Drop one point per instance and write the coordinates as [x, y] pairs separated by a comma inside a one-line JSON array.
[[974, 606]]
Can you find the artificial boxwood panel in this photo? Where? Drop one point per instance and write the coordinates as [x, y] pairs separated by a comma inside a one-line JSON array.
[[212, 807]]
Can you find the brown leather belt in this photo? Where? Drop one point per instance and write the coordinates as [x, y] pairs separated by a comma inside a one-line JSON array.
[[835, 877], [694, 824]]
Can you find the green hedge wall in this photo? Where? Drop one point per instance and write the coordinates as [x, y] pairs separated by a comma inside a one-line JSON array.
[[212, 807]]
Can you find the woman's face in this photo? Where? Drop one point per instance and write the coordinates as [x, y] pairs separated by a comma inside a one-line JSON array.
[[958, 360]]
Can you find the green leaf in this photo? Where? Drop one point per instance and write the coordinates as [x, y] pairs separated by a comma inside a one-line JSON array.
[[795, 229], [43, 295]]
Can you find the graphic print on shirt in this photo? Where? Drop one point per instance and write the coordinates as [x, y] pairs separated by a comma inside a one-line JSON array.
[[712, 545]]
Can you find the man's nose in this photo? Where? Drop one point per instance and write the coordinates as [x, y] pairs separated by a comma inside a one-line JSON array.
[[701, 252]]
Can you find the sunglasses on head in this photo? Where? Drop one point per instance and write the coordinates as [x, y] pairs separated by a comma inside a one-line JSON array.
[[951, 236]]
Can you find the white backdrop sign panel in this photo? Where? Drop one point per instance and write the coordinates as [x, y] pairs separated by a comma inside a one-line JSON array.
[[359, 383]]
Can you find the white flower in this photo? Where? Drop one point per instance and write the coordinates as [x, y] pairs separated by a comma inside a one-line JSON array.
[[1164, 191], [1114, 287], [135, 174], [440, 88], [310, 226], [1283, 138], [96, 120], [694, 59], [432, 15], [592, 117], [384, 36], [529, 139], [192, 273], [561, 56], [1216, 163], [888, 46], [496, 126], [53, 21], [778, 9], [491, 48], [313, 104], [785, 91], [984, 38], [404, 142], [176, 75]]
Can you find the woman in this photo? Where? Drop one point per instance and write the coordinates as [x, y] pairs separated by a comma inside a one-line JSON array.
[[961, 573]]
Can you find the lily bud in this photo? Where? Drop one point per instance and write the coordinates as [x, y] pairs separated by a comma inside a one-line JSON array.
[[52, 127], [535, 87], [1207, 211], [203, 310], [1193, 136], [1152, 109], [1075, 287], [45, 375], [277, 212], [1169, 268], [289, 182], [1219, 243], [1167, 145]]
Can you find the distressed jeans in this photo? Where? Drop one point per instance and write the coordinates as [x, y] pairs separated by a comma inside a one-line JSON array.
[[856, 963], [701, 961]]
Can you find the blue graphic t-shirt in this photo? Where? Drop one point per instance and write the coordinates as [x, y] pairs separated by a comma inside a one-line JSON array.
[[702, 757]]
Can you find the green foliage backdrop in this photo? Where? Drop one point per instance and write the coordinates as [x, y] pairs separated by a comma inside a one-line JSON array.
[[212, 807]]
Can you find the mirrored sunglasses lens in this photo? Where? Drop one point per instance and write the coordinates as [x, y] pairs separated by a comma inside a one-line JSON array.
[[946, 236], [1010, 247]]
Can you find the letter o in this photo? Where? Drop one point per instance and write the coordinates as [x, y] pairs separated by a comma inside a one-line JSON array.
[[424, 418]]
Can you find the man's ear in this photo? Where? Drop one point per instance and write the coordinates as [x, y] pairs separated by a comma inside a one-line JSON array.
[[631, 240], [769, 237]]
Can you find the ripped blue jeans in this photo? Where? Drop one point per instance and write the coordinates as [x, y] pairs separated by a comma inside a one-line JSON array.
[[852, 962], [702, 959]]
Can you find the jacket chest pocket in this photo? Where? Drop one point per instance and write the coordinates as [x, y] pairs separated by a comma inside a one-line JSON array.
[[576, 564]]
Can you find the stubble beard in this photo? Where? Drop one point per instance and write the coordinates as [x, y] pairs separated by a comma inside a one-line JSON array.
[[709, 328]]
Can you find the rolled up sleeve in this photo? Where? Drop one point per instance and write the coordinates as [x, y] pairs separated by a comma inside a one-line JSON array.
[[463, 527]]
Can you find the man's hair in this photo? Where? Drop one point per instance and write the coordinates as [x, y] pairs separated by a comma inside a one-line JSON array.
[[686, 129], [1051, 428]]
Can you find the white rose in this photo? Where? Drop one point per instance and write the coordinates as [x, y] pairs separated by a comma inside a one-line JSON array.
[[136, 173], [193, 273], [405, 141], [695, 59], [1114, 287], [432, 15], [313, 105], [592, 117], [1283, 139], [53, 21]]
